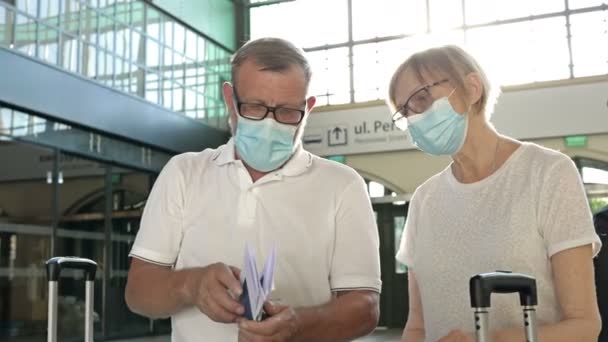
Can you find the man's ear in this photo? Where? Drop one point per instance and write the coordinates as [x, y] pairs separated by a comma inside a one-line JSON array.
[[310, 103], [228, 93]]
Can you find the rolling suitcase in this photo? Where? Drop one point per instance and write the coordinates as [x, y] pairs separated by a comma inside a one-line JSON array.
[[54, 266], [483, 285]]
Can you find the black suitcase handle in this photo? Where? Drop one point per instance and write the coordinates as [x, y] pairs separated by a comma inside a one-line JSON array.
[[483, 285], [54, 266]]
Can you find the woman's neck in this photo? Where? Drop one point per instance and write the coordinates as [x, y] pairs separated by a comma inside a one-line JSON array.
[[479, 156]]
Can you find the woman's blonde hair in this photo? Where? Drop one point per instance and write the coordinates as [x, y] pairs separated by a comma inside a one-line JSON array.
[[453, 63]]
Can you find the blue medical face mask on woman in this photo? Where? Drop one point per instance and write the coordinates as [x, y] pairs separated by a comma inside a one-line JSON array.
[[440, 130], [264, 145]]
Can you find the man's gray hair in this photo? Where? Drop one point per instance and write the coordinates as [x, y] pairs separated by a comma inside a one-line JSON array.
[[272, 54]]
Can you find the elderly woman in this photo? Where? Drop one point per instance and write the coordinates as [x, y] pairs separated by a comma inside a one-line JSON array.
[[501, 204]]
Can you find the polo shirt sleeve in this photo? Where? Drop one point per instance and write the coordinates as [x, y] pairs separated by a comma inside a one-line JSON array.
[[160, 233], [356, 260]]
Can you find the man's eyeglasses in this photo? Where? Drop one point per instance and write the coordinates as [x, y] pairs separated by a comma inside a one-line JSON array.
[[419, 102], [257, 111]]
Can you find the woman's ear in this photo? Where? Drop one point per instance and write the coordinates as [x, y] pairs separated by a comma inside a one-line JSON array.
[[474, 87]]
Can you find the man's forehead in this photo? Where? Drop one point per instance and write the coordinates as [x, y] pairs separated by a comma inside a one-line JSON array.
[[252, 67], [271, 91]]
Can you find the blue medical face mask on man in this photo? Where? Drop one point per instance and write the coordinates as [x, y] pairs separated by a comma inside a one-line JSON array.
[[264, 145], [440, 130]]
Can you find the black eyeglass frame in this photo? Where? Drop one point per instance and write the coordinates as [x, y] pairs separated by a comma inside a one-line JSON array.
[[401, 112], [269, 109]]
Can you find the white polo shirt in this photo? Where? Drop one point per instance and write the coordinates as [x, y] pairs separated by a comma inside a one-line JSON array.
[[204, 207]]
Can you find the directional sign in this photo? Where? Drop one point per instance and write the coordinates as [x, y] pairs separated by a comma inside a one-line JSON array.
[[337, 135]]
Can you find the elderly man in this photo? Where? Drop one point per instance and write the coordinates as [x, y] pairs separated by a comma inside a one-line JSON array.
[[262, 189]]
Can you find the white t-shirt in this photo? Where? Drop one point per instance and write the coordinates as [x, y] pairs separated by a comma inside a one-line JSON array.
[[204, 208], [532, 207]]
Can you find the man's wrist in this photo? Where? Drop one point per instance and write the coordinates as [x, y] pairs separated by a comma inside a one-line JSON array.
[[297, 325], [187, 286], [305, 319]]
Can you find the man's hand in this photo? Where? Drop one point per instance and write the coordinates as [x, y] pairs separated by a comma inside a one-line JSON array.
[[281, 326], [457, 336], [214, 290]]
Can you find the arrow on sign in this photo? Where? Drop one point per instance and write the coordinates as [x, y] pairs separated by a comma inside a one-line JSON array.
[[337, 131]]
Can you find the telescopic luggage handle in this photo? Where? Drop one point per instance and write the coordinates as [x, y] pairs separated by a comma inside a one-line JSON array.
[[54, 266], [482, 286]]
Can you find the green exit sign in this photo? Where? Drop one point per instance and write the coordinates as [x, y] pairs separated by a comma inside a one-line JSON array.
[[339, 159], [116, 178], [576, 141]]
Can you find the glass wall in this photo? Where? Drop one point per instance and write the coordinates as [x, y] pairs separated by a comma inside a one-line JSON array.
[[65, 190], [518, 42], [129, 45], [96, 197], [216, 18], [86, 190], [25, 240]]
